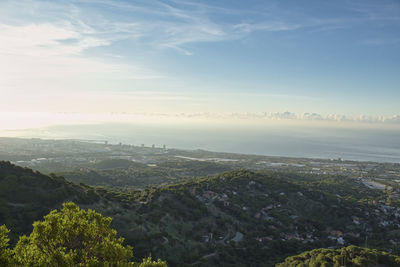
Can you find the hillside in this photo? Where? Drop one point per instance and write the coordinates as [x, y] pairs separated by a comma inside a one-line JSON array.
[[121, 173], [242, 216], [26, 196], [236, 218], [347, 256]]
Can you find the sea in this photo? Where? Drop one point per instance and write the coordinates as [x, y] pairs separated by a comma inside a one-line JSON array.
[[365, 143]]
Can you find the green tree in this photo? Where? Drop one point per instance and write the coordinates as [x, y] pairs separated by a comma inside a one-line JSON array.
[[72, 237], [148, 262], [5, 252]]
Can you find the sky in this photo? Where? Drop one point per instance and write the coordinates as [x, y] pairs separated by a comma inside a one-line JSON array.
[[254, 56]]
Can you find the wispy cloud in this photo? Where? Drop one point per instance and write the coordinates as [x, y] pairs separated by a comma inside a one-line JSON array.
[[383, 11], [271, 27], [100, 45], [171, 25], [176, 24], [40, 57], [45, 40]]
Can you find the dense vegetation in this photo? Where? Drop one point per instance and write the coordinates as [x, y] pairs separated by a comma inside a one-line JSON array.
[[237, 218], [120, 173], [70, 237], [26, 196], [351, 256]]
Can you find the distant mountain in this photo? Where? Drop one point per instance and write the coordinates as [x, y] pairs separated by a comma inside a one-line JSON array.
[[237, 218]]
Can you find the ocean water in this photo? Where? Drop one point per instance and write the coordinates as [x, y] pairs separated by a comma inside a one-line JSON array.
[[381, 144]]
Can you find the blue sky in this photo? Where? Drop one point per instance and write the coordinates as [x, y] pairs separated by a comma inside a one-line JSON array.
[[326, 57]]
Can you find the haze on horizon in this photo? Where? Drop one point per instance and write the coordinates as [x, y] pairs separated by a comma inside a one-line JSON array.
[[101, 57]]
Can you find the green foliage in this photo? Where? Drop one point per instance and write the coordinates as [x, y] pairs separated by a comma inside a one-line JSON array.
[[26, 196], [148, 262], [122, 174], [194, 222], [5, 252], [74, 237], [347, 256]]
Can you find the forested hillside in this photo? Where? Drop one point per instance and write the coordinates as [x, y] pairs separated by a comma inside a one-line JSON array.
[[120, 173], [237, 218], [26, 196]]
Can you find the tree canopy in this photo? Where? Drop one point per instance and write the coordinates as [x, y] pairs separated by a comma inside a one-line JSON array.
[[347, 256], [5, 252], [70, 237]]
